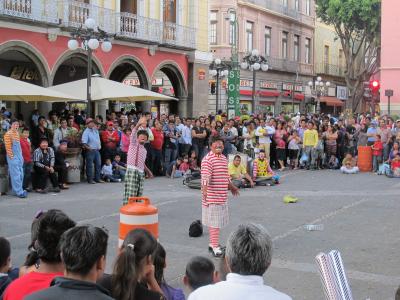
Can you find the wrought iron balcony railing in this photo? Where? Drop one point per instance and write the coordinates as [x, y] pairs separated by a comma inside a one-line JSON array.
[[141, 28], [178, 35], [31, 10], [329, 69]]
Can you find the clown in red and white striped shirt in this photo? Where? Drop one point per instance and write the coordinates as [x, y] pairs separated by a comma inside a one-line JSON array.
[[215, 183]]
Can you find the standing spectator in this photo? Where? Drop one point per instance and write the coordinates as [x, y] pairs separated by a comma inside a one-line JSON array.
[[15, 160], [6, 122], [27, 156], [371, 133], [214, 185], [61, 165], [200, 271], [51, 226], [396, 129], [125, 140], [227, 136], [385, 134], [361, 136], [186, 137], [248, 256], [330, 136], [170, 143], [72, 124], [92, 146], [78, 117], [293, 147], [133, 268], [43, 164], [156, 166], [35, 118], [136, 167], [310, 142], [110, 141], [40, 132], [52, 122], [280, 137], [83, 250], [61, 133], [377, 152], [264, 133], [199, 135]]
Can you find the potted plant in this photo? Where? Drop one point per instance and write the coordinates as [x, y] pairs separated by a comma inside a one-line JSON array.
[[73, 155]]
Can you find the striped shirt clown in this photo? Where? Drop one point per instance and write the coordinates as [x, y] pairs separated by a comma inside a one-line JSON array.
[[215, 183], [135, 173]]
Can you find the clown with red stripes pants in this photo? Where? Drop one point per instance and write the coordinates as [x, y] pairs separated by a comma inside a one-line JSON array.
[[215, 182]]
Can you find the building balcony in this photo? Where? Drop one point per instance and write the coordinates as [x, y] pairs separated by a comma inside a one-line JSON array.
[[30, 10], [329, 69], [71, 14], [277, 7]]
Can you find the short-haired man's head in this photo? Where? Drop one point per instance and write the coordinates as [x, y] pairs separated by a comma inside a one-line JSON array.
[[249, 250], [5, 252], [236, 160], [142, 136], [82, 247], [199, 272], [378, 136], [51, 226]]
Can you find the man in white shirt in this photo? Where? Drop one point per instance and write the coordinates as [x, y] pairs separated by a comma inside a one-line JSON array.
[[265, 132], [248, 256], [186, 137]]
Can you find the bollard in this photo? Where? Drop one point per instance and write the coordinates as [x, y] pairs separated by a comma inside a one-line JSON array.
[[138, 213]]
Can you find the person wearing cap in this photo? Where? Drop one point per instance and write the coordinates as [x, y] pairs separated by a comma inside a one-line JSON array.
[[15, 160], [43, 165], [91, 143], [110, 140]]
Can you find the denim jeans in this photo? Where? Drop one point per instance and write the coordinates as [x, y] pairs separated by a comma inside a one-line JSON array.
[[376, 160], [170, 154], [156, 162], [93, 157]]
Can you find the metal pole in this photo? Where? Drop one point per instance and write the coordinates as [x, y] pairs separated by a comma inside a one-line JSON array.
[[389, 106], [89, 83], [217, 93], [253, 94]]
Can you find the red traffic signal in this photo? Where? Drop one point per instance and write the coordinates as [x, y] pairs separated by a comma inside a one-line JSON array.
[[374, 85]]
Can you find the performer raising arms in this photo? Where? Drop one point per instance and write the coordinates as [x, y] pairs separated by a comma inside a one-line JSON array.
[[136, 168], [215, 183]]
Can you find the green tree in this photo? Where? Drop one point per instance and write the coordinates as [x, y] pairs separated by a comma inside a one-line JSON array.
[[357, 24]]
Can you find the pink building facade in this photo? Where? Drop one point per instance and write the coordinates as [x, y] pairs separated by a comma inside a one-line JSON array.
[[283, 32], [390, 60]]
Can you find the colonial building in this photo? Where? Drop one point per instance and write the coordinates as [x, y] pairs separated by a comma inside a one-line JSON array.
[[159, 41], [282, 31]]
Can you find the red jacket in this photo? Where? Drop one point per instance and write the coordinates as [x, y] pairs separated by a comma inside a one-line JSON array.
[[158, 141], [26, 149], [378, 146], [107, 134]]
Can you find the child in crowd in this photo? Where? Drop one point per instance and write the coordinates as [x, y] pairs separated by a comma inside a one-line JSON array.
[[193, 162], [27, 156], [377, 151], [119, 167], [294, 148], [107, 172], [200, 271], [7, 273], [349, 165], [395, 165], [177, 170], [160, 264]]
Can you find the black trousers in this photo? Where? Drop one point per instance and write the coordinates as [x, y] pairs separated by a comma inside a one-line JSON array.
[[62, 172], [40, 178]]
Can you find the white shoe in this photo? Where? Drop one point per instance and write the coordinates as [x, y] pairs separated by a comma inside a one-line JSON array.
[[215, 251]]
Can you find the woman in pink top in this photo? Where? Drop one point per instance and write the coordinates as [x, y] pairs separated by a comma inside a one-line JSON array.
[[280, 140], [125, 140]]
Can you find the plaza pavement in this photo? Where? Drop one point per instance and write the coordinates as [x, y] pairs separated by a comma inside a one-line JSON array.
[[360, 214]]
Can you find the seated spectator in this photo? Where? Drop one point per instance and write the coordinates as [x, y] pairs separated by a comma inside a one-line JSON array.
[[185, 166], [160, 264], [395, 166], [133, 276], [193, 162], [7, 273], [349, 165], [262, 172], [238, 173], [61, 165], [51, 226], [83, 252], [173, 169], [200, 271], [248, 256], [107, 172], [43, 160], [119, 167]]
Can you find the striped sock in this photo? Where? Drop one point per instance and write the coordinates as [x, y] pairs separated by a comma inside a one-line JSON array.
[[214, 236]]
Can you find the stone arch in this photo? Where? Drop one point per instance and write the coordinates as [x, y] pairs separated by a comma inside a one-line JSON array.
[[126, 64], [175, 75], [81, 54], [33, 54]]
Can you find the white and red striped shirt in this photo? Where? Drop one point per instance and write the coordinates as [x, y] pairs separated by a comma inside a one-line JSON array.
[[214, 175], [136, 153]]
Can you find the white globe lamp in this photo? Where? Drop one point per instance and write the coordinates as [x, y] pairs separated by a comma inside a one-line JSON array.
[[244, 65], [217, 61], [310, 83], [264, 67], [106, 46], [90, 23], [254, 52], [256, 66], [328, 84], [73, 44], [93, 44]]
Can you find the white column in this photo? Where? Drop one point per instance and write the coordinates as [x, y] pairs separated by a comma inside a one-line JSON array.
[[141, 8]]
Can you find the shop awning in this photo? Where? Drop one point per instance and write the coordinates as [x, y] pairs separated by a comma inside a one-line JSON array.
[[297, 96], [331, 101], [261, 93], [246, 92]]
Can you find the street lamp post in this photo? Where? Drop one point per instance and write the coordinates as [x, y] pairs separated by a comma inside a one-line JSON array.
[[318, 89], [254, 62], [90, 40], [218, 69]]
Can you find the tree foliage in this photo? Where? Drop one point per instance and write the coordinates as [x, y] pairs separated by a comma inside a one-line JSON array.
[[357, 24]]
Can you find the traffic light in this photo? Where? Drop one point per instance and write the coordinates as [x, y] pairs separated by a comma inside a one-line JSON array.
[[374, 85]]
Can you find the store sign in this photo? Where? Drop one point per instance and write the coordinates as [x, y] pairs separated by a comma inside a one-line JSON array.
[[268, 85], [201, 73], [341, 92], [233, 93], [289, 87], [246, 83], [136, 82], [24, 73]]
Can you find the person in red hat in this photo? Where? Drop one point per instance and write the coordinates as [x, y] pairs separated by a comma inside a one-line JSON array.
[[110, 140]]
